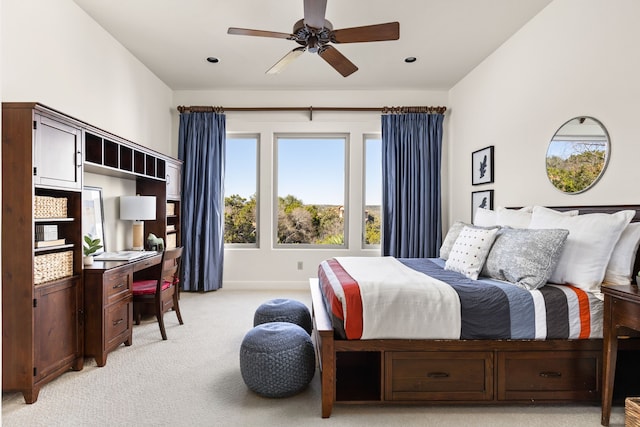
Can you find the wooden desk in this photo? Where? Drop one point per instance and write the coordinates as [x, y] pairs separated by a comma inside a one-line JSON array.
[[621, 310], [108, 304]]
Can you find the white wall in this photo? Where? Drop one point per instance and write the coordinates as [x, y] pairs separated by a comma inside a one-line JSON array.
[[55, 54], [577, 57], [118, 234], [277, 268]]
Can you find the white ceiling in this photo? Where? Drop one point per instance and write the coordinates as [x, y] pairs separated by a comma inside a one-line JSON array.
[[173, 38]]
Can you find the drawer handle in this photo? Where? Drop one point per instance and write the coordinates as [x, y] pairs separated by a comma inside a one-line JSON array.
[[117, 322], [438, 375], [550, 374], [119, 285]]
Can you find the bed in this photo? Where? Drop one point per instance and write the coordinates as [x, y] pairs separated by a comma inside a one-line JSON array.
[[480, 356]]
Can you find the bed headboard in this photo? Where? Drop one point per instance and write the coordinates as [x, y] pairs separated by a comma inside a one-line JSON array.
[[607, 209]]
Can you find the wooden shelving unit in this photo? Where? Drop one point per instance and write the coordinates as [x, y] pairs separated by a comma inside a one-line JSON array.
[[44, 155], [42, 334]]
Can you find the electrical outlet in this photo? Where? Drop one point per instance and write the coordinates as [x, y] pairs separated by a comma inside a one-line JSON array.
[[299, 265]]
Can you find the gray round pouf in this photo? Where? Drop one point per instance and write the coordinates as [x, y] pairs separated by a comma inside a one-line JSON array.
[[277, 359], [284, 310]]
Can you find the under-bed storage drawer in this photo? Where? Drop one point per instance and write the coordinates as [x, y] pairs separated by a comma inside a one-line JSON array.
[[544, 375], [438, 376]]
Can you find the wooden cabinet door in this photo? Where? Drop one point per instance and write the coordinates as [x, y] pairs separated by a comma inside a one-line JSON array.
[[58, 334], [57, 154], [173, 181]]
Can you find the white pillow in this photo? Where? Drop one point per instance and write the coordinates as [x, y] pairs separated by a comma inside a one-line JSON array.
[[470, 250], [516, 218], [485, 218], [521, 218], [588, 248], [620, 268]]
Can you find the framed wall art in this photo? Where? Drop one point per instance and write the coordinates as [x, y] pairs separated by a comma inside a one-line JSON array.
[[480, 199], [93, 214], [482, 166]]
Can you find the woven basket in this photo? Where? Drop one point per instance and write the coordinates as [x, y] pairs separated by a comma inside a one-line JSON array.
[[49, 207], [171, 241], [52, 266], [632, 412]]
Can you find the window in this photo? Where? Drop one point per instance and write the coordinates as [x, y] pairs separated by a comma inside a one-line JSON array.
[[310, 181], [372, 190], [240, 190]]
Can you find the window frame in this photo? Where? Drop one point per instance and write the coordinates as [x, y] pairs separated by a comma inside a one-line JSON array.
[[365, 138], [345, 136], [256, 136]]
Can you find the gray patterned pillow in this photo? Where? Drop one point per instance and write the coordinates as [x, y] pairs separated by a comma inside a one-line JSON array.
[[525, 257]]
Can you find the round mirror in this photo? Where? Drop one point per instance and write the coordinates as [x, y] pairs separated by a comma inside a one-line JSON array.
[[577, 155]]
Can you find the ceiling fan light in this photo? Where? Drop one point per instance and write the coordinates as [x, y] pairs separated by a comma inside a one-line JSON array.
[[312, 44]]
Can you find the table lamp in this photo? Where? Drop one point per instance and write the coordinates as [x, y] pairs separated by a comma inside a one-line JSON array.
[[138, 209]]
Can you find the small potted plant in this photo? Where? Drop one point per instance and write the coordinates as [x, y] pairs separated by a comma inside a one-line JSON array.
[[90, 247]]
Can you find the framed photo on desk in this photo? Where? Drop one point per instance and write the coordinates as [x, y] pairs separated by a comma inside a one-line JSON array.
[[93, 215]]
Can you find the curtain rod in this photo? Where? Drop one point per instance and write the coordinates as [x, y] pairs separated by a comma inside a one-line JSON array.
[[383, 110]]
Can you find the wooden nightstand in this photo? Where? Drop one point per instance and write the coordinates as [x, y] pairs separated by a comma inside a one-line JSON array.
[[621, 310]]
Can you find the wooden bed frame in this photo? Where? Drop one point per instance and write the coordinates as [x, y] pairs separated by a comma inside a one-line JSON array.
[[439, 372]]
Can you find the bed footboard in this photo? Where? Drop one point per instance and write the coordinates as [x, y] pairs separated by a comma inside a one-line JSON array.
[[323, 337]]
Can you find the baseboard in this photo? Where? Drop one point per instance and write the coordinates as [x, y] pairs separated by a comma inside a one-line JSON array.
[[239, 285]]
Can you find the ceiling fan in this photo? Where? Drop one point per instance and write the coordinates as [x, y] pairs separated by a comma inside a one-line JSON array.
[[314, 33]]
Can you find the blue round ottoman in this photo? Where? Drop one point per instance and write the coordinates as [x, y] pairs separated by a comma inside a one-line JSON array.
[[284, 310], [277, 359]]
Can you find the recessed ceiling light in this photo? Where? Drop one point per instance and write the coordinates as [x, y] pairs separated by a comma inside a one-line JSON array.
[[213, 59], [410, 59]]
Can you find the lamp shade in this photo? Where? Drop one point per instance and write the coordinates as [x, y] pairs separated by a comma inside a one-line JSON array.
[[138, 208]]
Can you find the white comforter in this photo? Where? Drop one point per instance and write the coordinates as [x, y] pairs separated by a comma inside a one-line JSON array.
[[397, 301]]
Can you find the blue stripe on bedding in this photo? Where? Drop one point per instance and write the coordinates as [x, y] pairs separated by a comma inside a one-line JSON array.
[[495, 310], [475, 302], [522, 323], [556, 310]]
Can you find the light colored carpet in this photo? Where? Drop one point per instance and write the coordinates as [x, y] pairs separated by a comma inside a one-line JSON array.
[[193, 379]]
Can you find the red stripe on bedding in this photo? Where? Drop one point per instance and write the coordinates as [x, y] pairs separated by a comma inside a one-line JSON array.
[[585, 312], [327, 291], [351, 289]]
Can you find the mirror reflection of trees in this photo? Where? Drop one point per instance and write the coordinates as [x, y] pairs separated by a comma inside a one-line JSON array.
[[578, 171], [577, 155]]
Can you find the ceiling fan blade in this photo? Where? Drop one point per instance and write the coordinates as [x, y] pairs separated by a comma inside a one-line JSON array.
[[368, 33], [259, 33], [286, 60], [314, 11], [338, 60]]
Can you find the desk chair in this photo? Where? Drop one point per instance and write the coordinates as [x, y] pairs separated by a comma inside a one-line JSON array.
[[160, 295]]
